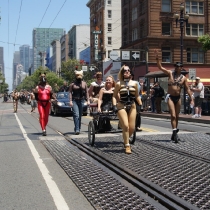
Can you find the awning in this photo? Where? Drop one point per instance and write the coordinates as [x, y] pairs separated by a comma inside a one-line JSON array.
[[205, 81]]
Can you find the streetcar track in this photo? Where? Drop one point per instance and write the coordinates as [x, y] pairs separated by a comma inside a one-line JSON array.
[[164, 197]]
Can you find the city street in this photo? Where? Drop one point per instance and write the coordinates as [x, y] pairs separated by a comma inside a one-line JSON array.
[[34, 176]]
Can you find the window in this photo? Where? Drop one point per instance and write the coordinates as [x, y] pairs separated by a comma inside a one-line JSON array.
[[166, 54], [195, 55], [194, 30], [134, 13], [194, 7], [109, 2], [125, 16], [166, 5], [109, 27], [125, 36], [109, 13], [141, 7], [134, 34], [166, 28], [109, 53], [109, 40]]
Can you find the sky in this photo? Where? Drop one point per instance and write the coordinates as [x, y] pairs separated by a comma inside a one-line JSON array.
[[20, 17]]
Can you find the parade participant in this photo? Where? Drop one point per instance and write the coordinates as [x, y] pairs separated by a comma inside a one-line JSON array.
[[95, 88], [15, 96], [43, 94], [126, 107], [176, 81], [33, 101], [78, 93], [105, 100]]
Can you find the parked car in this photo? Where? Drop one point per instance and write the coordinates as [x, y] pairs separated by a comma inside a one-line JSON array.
[[62, 105]]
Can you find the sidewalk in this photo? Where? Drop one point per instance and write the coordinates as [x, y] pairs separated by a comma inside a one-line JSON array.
[[184, 117]]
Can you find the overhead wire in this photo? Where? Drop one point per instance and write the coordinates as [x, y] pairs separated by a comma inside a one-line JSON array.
[[57, 14], [18, 21]]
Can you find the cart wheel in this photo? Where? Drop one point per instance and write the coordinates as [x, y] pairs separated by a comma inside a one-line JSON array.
[[133, 137], [91, 133]]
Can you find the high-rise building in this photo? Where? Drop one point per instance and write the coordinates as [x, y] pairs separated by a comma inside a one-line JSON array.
[[42, 38], [25, 57], [79, 39], [64, 47], [56, 56], [2, 60], [105, 28], [16, 61]]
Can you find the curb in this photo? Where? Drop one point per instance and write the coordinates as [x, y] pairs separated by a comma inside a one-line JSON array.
[[187, 119]]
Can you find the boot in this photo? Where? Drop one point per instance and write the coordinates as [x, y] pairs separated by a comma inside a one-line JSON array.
[[44, 133], [174, 136], [128, 149]]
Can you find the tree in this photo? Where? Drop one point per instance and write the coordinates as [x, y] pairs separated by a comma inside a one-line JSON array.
[[31, 82], [205, 41], [3, 86], [68, 68]]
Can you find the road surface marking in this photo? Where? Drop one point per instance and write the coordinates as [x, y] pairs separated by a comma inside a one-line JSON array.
[[52, 186]]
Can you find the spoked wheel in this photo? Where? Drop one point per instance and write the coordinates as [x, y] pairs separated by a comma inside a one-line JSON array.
[[91, 133], [133, 137]]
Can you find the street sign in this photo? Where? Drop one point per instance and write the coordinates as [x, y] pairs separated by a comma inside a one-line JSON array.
[[192, 74], [92, 68], [135, 55], [96, 32], [114, 55], [125, 55], [84, 68]]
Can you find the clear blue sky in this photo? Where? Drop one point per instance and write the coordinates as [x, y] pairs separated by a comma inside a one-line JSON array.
[[17, 22]]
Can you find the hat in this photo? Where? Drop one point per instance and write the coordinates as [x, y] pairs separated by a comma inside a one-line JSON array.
[[178, 64], [198, 78]]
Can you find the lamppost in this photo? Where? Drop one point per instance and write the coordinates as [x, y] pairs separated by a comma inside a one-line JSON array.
[[182, 19]]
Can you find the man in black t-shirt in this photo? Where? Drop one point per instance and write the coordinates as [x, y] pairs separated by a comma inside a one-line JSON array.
[[159, 93]]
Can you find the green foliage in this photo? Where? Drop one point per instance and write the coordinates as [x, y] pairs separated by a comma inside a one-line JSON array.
[[32, 81], [205, 41], [68, 68], [3, 86]]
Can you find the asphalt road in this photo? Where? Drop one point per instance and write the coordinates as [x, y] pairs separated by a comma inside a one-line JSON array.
[[30, 177]]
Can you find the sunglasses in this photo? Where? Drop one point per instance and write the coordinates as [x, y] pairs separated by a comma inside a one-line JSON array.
[[126, 70]]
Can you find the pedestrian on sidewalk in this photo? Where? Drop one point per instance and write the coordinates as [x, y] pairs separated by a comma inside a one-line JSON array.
[[126, 107], [176, 81], [159, 93], [78, 94], [198, 91], [43, 94]]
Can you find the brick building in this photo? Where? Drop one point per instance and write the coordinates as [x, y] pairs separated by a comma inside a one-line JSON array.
[[150, 24]]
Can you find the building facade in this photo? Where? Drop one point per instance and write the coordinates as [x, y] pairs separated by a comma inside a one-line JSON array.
[[26, 57], [105, 31], [42, 38], [79, 39], [16, 61], [56, 56], [64, 47], [150, 24]]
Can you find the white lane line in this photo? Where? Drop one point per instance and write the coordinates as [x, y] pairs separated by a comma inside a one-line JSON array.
[[52, 186]]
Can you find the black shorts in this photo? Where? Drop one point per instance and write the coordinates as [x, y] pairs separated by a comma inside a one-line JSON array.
[[198, 101]]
